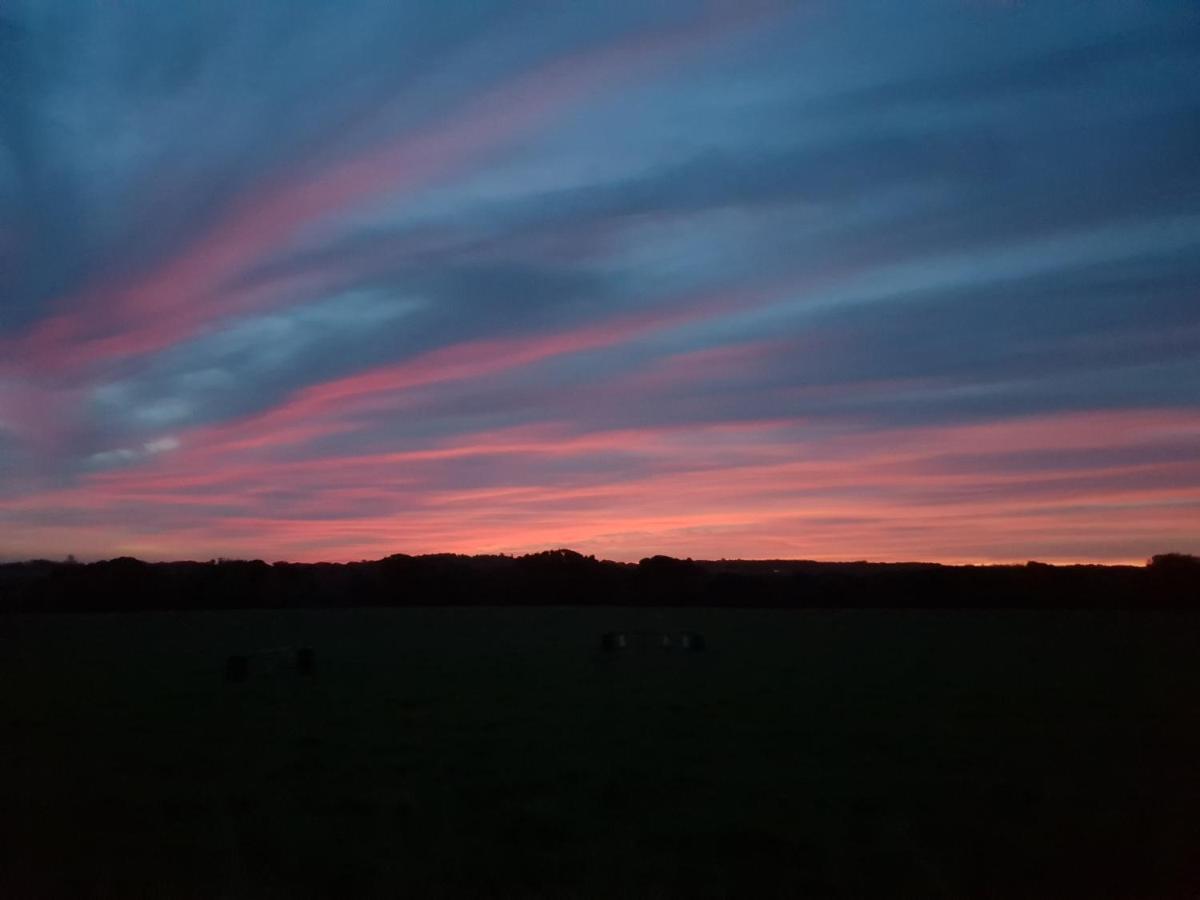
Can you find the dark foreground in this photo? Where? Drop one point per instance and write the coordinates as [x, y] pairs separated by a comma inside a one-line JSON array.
[[486, 752]]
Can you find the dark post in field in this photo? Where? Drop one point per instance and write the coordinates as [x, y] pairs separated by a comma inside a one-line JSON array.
[[306, 661], [237, 668]]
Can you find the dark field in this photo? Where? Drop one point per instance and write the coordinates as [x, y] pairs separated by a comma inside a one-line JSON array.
[[488, 752]]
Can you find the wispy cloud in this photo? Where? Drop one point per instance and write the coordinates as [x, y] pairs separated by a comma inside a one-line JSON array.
[[709, 279]]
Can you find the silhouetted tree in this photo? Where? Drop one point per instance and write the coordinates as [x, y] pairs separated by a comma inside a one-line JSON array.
[[1174, 562], [565, 577]]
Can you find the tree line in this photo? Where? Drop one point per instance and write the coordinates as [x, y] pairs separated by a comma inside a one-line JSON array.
[[567, 578]]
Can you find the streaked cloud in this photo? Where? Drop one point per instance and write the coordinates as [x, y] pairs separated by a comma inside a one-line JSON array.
[[698, 278]]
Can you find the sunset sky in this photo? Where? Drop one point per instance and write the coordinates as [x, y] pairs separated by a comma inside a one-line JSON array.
[[826, 280]]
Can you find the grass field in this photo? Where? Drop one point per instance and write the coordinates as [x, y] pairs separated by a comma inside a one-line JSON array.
[[497, 753]]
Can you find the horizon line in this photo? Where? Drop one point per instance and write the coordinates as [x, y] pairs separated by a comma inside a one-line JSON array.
[[955, 563]]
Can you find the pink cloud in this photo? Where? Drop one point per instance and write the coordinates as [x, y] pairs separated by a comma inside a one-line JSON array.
[[170, 302], [765, 489]]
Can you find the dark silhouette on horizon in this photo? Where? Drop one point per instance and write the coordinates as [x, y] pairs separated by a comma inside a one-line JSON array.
[[566, 578]]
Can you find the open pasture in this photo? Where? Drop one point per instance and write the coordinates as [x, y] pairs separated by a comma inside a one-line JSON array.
[[487, 752]]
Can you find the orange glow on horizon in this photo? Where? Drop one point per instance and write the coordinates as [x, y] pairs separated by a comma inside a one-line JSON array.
[[759, 490]]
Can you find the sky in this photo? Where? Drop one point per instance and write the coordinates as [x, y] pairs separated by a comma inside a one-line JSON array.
[[333, 280]]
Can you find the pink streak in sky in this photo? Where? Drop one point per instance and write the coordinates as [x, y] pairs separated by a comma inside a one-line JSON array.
[[173, 301], [772, 488]]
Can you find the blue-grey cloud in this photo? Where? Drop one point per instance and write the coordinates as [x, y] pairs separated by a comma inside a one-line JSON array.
[[238, 236]]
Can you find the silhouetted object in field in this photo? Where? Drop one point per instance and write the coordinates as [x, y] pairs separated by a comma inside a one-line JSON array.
[[237, 669], [612, 641], [1167, 581], [271, 662], [650, 641], [306, 661]]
